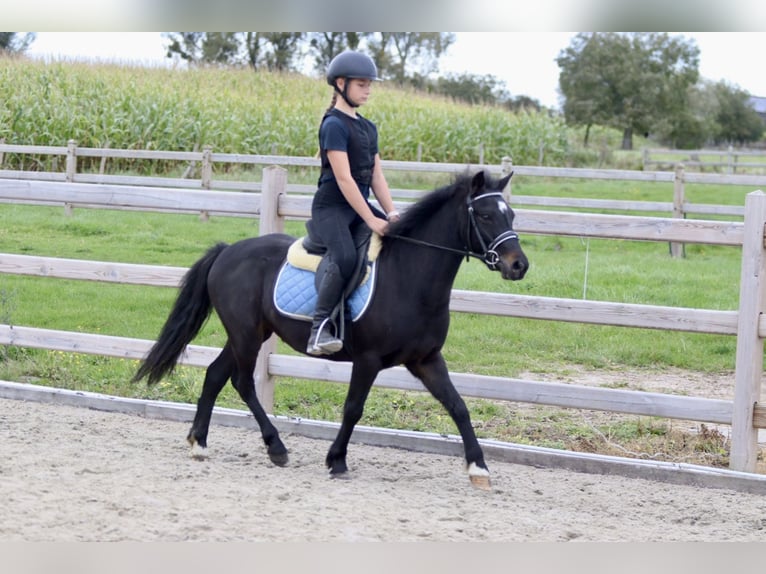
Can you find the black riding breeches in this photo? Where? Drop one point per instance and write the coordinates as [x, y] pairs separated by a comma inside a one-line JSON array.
[[335, 227]]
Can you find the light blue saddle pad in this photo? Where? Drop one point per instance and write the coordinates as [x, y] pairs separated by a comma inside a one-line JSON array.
[[295, 294]]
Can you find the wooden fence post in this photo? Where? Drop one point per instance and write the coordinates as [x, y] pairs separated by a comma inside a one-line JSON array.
[[71, 160], [274, 186], [71, 169], [207, 167], [749, 358], [506, 167], [678, 249], [102, 165]]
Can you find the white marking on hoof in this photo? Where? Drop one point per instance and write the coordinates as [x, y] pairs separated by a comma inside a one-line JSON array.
[[479, 477], [198, 452]]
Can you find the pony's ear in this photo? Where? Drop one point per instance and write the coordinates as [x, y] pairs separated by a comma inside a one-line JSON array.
[[477, 183], [504, 181]]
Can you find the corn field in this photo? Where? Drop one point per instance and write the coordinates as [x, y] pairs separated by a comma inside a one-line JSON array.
[[239, 111]]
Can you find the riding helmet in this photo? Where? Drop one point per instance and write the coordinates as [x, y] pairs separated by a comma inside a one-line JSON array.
[[351, 64]]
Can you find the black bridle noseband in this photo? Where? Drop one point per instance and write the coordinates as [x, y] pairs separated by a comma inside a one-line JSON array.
[[490, 257]]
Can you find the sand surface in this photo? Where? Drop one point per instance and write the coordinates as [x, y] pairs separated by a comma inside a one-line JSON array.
[[74, 474]]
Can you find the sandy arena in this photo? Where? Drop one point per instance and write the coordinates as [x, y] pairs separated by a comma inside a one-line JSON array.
[[74, 474]]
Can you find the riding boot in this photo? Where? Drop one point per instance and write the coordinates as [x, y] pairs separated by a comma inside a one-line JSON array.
[[322, 341]]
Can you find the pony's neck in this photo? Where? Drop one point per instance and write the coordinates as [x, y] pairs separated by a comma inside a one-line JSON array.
[[436, 256]]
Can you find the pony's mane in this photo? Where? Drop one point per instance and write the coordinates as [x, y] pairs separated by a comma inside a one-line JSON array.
[[422, 210]]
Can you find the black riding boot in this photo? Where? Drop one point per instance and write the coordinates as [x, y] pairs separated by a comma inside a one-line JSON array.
[[322, 340]]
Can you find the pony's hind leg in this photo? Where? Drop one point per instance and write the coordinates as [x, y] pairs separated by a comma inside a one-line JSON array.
[[433, 372], [218, 372]]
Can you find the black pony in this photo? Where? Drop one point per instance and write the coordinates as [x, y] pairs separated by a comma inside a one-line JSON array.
[[405, 323]]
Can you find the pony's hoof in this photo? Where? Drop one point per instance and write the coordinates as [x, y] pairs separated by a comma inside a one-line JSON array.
[[198, 452], [279, 459], [479, 477], [340, 475], [337, 467]]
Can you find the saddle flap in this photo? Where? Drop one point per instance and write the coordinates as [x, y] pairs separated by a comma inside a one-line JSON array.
[[295, 294]]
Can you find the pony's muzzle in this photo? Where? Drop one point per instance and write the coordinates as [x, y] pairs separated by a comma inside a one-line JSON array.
[[514, 266]]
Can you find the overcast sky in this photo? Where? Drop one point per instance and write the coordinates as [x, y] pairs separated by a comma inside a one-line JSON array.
[[525, 61]]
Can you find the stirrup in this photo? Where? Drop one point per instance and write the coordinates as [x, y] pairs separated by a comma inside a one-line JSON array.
[[329, 347], [323, 343]]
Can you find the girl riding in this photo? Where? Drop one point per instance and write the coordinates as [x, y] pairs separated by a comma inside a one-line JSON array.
[[350, 169]]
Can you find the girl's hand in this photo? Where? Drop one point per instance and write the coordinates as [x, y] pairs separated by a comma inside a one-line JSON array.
[[378, 225], [393, 216]]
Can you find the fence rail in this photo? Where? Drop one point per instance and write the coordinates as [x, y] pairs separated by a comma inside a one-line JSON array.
[[728, 159], [207, 160], [274, 204]]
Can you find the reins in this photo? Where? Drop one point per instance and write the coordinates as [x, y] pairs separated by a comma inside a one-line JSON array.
[[467, 252], [490, 256]]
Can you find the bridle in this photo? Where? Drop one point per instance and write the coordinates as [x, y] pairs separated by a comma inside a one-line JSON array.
[[490, 256]]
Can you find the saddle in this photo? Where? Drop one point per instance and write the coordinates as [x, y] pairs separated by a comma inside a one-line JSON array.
[[307, 253], [296, 286]]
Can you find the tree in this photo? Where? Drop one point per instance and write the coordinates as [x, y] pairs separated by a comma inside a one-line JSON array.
[[185, 45], [716, 113], [406, 55], [470, 88], [275, 50], [426, 47], [396, 54], [285, 48], [631, 82], [520, 103], [220, 47], [252, 47], [326, 45], [15, 42], [736, 120]]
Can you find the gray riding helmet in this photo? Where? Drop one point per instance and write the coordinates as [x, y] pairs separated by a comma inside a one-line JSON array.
[[350, 64]]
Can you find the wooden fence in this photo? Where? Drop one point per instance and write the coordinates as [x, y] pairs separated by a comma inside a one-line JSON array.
[[275, 202], [727, 160], [204, 163]]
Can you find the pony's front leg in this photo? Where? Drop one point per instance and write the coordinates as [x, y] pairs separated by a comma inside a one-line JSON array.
[[245, 385], [363, 374], [432, 371]]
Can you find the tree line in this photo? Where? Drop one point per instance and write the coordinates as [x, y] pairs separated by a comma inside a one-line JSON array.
[[649, 84], [641, 83]]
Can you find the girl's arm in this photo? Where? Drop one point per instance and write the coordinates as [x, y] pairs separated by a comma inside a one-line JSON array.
[[342, 172], [381, 190]]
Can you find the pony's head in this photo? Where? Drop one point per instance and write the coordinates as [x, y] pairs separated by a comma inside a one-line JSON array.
[[490, 227], [469, 216]]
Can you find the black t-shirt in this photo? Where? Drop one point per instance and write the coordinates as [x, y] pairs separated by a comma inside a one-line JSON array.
[[358, 137]]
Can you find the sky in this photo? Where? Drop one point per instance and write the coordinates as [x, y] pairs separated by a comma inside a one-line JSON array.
[[524, 61]]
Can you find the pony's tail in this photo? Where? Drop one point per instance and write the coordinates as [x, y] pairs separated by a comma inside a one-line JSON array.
[[190, 311]]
